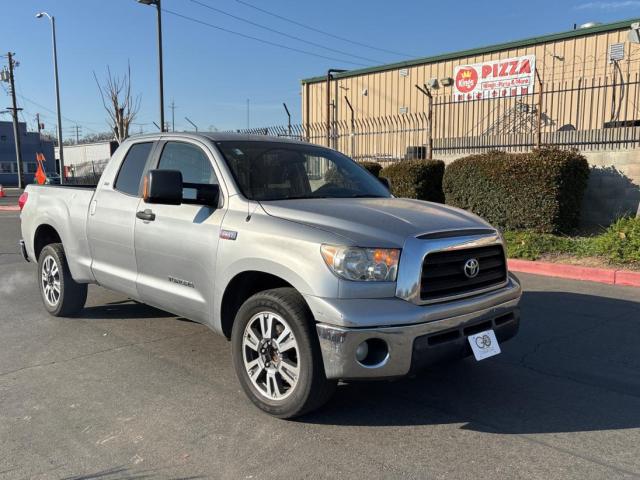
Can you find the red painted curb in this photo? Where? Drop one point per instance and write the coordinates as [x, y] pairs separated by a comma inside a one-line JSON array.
[[9, 208], [630, 279], [574, 272]]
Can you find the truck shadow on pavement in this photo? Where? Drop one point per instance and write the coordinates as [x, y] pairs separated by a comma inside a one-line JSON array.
[[123, 473], [573, 367], [128, 309]]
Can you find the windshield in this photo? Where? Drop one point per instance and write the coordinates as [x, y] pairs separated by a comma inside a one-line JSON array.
[[282, 171]]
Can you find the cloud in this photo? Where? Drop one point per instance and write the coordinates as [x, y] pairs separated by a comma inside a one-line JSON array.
[[609, 5]]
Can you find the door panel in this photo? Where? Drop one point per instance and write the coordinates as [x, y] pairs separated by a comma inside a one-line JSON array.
[[111, 237], [176, 252], [111, 223], [176, 256]]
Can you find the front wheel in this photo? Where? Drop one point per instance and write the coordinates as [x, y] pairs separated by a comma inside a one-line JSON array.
[[276, 354], [61, 294]]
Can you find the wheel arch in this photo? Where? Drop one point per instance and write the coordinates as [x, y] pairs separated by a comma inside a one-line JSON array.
[[45, 235], [242, 286]]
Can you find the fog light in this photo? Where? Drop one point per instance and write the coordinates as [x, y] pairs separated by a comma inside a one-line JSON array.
[[362, 351], [372, 353]]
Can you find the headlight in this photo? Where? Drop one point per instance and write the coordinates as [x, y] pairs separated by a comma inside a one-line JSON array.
[[362, 264]]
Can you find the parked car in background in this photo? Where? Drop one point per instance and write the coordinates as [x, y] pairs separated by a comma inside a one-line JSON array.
[[292, 251], [53, 179]]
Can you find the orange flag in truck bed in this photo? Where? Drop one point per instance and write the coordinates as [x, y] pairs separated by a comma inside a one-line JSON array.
[[40, 176]]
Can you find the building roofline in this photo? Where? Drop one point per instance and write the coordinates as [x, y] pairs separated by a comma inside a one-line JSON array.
[[579, 32]]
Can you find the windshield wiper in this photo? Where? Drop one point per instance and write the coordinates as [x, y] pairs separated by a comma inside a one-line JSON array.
[[303, 197]]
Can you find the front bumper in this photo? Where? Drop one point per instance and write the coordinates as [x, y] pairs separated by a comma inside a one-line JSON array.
[[415, 345]]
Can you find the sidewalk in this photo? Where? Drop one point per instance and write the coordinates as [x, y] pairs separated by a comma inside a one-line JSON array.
[[9, 203]]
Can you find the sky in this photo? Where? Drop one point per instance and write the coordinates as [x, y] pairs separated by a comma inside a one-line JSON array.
[[210, 73]]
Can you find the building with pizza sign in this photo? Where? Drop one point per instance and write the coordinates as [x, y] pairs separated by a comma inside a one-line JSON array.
[[576, 87]]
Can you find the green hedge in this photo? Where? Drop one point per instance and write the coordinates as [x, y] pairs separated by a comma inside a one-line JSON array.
[[619, 244], [421, 179], [540, 191], [373, 167]]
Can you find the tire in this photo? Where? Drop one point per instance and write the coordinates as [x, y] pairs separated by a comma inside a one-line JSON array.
[[274, 338], [61, 295]]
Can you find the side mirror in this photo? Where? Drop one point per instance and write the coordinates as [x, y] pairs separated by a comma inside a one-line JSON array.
[[385, 182], [163, 186], [205, 194]]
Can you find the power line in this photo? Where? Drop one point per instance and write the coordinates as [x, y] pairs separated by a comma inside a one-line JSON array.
[[282, 33], [308, 27], [268, 42], [52, 111]]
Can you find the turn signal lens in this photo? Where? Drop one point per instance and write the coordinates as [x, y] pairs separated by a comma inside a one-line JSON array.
[[362, 264]]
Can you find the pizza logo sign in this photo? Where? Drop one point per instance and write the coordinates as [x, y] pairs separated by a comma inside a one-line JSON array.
[[495, 79], [466, 79]]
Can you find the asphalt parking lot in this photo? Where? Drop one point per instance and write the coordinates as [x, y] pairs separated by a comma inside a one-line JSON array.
[[129, 392]]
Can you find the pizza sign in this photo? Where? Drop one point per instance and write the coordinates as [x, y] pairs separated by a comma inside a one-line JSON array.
[[495, 79]]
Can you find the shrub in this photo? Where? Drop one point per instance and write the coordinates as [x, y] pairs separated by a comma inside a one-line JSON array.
[[532, 245], [373, 167], [421, 179], [541, 190], [620, 243]]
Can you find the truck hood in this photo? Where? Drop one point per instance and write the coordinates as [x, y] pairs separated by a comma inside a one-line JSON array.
[[374, 222]]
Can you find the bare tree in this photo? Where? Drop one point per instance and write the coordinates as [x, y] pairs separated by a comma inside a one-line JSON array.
[[118, 102]]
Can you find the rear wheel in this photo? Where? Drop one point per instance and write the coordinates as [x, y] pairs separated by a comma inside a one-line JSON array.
[[276, 354], [61, 294]]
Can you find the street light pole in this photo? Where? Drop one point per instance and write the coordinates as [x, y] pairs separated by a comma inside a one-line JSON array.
[[55, 72], [330, 73], [160, 70]]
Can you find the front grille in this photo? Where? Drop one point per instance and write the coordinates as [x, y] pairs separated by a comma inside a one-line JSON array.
[[443, 273]]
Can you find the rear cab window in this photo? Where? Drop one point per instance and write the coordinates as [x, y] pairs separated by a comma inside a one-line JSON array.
[[130, 175]]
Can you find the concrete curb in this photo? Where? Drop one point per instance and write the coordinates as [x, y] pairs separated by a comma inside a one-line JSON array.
[[609, 276]]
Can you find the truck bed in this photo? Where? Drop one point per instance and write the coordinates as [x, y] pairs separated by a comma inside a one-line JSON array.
[[65, 209]]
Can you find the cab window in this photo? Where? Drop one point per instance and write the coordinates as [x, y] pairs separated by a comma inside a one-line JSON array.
[[192, 162], [132, 168]]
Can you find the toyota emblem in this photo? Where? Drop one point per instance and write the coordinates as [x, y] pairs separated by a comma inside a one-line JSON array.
[[471, 268]]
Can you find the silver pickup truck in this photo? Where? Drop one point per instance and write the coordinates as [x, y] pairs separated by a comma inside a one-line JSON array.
[[292, 251]]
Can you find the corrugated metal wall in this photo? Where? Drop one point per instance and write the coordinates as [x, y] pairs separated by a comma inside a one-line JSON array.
[[566, 66]]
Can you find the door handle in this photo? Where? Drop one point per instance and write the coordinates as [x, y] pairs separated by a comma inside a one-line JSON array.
[[146, 215]]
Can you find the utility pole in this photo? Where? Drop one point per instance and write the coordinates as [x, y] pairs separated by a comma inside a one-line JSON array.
[[77, 134], [158, 6], [16, 128], [173, 115], [248, 123], [38, 124]]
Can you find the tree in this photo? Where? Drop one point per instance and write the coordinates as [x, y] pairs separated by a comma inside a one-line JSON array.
[[118, 102]]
